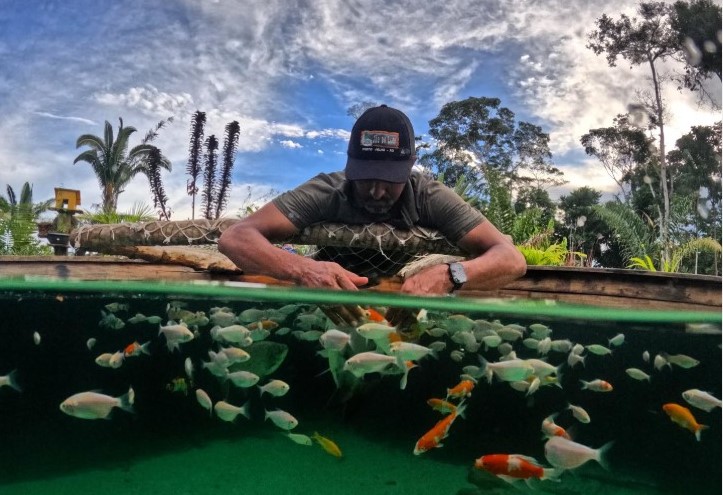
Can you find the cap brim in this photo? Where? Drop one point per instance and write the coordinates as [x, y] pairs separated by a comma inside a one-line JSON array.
[[386, 170]]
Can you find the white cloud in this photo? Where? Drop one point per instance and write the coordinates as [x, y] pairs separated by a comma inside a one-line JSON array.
[[288, 143], [61, 117]]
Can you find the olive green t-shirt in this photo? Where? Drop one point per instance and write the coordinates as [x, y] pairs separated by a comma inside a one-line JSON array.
[[424, 202]]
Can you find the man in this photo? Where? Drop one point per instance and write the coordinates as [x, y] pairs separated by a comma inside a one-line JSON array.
[[378, 185]]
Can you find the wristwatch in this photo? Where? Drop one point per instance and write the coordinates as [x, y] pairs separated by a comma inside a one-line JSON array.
[[457, 275]]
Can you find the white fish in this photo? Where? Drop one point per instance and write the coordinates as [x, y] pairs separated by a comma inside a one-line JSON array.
[[534, 385], [578, 349], [243, 379], [283, 331], [659, 361], [223, 317], [93, 405], [456, 355], [617, 340], [238, 334], [408, 351], [561, 345], [493, 341], [36, 338], [299, 438], [509, 334], [573, 359], [513, 370], [544, 346], [309, 335], [234, 355], [541, 368], [598, 349], [374, 331], [437, 332], [251, 315], [104, 360], [175, 334], [597, 385], [566, 454], [282, 419], [637, 374], [530, 343], [646, 356], [205, 401], [334, 339], [579, 413], [229, 412], [115, 306], [116, 360], [188, 368], [703, 328], [701, 400], [437, 346], [681, 360], [154, 320], [504, 348], [138, 318], [540, 331], [10, 380], [277, 388], [370, 362], [90, 343]]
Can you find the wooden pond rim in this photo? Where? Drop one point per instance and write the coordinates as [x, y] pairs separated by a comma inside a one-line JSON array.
[[604, 287]]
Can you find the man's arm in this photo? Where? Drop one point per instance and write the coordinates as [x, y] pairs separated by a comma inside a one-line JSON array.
[[248, 244], [497, 262]]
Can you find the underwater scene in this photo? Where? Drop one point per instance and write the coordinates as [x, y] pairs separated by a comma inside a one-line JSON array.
[[126, 388]]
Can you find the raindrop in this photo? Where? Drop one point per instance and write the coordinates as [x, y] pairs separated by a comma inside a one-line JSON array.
[[703, 209], [638, 115], [581, 221], [703, 192], [647, 179], [709, 47], [692, 52]]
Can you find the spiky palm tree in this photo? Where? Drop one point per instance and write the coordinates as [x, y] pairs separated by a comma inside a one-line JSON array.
[[113, 164], [17, 220]]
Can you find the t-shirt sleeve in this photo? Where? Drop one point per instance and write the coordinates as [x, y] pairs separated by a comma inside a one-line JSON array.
[[444, 210], [308, 203]]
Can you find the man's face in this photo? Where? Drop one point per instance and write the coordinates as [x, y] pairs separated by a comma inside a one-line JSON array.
[[377, 196]]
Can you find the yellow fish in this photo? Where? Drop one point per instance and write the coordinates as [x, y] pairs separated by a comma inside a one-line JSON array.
[[328, 445]]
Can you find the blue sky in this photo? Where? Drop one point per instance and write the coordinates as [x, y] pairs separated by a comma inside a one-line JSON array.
[[287, 71]]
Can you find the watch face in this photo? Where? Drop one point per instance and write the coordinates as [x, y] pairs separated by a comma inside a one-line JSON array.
[[456, 270]]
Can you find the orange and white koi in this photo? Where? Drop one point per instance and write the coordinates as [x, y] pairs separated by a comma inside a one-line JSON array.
[[551, 429], [511, 467], [461, 390], [682, 417], [433, 438], [597, 386]]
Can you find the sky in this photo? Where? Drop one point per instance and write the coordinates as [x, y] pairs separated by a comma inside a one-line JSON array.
[[287, 71]]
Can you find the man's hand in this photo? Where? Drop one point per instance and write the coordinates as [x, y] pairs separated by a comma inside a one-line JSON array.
[[330, 275], [432, 280], [344, 315]]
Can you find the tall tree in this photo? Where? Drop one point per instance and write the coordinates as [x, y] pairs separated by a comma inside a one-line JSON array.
[[649, 39], [230, 144], [198, 121], [478, 135], [113, 164], [620, 149], [698, 25], [208, 197]]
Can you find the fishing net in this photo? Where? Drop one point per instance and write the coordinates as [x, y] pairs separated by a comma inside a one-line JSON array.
[[371, 250]]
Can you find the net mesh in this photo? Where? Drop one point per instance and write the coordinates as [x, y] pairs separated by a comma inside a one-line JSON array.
[[371, 250]]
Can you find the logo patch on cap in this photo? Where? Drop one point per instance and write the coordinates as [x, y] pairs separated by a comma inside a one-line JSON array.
[[380, 139]]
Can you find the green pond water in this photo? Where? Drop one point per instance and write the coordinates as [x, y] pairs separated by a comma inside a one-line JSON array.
[[170, 444]]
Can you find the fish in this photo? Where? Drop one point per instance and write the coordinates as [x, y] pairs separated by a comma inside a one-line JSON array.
[[178, 385], [681, 360], [659, 361], [562, 453], [243, 379], [375, 316], [597, 386], [137, 318], [544, 346], [646, 356], [460, 391], [136, 349], [433, 438], [512, 467], [104, 360], [512, 370], [234, 355], [637, 374], [94, 405], [228, 412], [617, 340], [235, 334], [276, 388], [561, 345], [36, 338], [205, 401], [116, 360], [579, 413], [299, 438], [329, 446], [370, 362], [10, 380], [551, 429], [282, 419], [154, 320], [540, 331], [598, 349], [682, 417], [441, 405], [334, 339], [188, 369], [266, 357], [175, 334], [90, 343], [115, 307], [701, 400], [408, 351], [573, 359], [223, 317]]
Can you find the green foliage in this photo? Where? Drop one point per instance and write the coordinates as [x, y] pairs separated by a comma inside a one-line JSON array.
[[139, 212], [634, 236], [549, 254], [18, 223], [688, 249]]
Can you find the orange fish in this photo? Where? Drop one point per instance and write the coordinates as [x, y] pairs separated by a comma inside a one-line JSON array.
[[394, 337], [442, 406], [550, 429], [461, 390], [328, 445], [375, 316], [511, 467], [263, 324], [135, 349], [433, 438], [683, 417]]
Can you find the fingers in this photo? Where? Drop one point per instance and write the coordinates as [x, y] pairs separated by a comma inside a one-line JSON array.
[[344, 315], [401, 317]]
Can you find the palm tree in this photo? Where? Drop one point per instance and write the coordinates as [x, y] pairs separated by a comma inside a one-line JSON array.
[[113, 164], [17, 220]]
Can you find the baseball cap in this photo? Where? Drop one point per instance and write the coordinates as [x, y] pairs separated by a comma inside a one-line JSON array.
[[381, 146]]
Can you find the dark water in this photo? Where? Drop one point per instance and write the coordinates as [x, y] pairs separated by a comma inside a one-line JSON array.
[[171, 445]]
